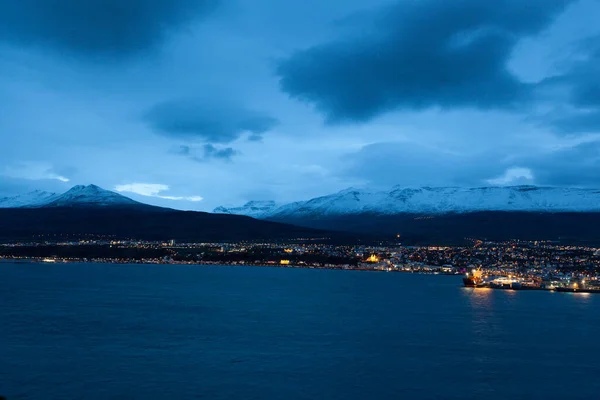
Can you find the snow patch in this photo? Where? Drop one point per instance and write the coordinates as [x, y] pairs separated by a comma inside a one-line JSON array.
[[36, 198], [90, 195], [255, 209], [436, 200]]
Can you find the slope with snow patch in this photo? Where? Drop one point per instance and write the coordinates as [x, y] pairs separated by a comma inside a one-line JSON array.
[[439, 200], [255, 209], [90, 196], [37, 198]]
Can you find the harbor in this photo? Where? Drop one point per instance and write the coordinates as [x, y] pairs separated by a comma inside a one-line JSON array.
[[478, 279]]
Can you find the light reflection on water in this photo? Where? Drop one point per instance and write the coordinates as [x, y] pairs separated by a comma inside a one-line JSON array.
[[482, 315]]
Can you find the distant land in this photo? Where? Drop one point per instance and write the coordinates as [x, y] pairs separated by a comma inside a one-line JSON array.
[[445, 214], [428, 201], [92, 210], [411, 216]]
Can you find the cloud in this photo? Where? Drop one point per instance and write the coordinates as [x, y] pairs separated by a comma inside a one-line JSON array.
[[419, 54], [575, 164], [208, 152], [153, 190], [207, 121], [33, 171], [513, 176], [387, 164], [576, 107], [255, 138], [16, 186], [114, 28], [211, 151], [183, 150], [587, 121]]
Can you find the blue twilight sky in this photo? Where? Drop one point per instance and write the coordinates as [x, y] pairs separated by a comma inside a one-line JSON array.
[[198, 103]]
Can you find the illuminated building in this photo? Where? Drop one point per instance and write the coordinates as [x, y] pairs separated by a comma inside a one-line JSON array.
[[373, 258]]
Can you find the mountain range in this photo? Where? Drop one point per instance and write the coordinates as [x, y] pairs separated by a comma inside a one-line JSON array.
[[445, 214], [416, 215], [80, 195], [85, 210], [254, 208], [429, 200]]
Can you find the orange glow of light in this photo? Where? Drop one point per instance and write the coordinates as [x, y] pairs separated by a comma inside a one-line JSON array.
[[288, 250], [373, 258]]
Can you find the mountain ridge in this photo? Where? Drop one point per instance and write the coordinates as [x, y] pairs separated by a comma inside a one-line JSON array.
[[77, 196], [253, 208], [30, 199], [91, 196], [435, 201], [84, 210]]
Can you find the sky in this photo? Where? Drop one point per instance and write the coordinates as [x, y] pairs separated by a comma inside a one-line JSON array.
[[193, 104]]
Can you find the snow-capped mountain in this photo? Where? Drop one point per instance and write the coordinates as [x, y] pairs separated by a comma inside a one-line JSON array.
[[90, 196], [90, 210], [37, 198], [255, 209], [439, 200], [77, 196]]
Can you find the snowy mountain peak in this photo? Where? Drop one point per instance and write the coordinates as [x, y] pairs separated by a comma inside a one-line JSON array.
[[254, 208], [78, 188], [438, 200], [77, 196], [90, 196], [86, 189], [349, 190]]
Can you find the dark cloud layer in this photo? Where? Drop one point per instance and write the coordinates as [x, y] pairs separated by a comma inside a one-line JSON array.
[[386, 164], [574, 166], [581, 82], [207, 121], [578, 122], [420, 54], [114, 28]]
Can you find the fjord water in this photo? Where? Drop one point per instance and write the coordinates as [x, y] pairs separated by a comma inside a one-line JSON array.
[[94, 331]]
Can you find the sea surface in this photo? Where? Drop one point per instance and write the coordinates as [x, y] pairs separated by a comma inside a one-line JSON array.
[[104, 331]]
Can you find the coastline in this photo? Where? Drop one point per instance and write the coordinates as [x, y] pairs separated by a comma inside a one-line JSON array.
[[33, 260], [375, 268]]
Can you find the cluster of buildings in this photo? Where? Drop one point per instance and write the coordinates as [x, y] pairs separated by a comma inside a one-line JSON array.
[[532, 259]]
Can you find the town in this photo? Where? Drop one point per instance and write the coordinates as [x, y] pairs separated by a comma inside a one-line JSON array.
[[536, 262]]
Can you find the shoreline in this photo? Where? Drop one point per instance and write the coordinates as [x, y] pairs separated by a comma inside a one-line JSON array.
[[225, 264], [487, 286]]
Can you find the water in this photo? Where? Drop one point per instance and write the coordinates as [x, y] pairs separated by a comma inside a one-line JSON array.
[[92, 331]]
